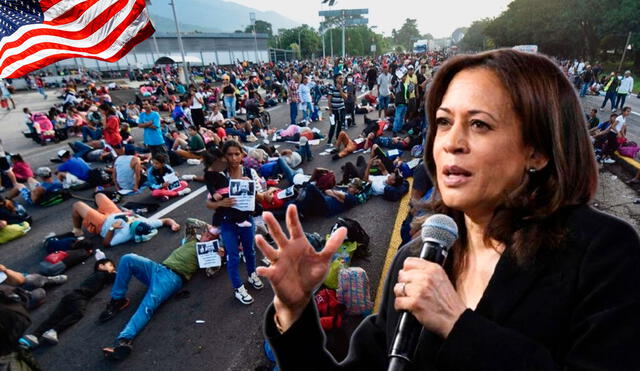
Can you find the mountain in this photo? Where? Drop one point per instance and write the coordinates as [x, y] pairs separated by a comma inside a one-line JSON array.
[[207, 15], [167, 25]]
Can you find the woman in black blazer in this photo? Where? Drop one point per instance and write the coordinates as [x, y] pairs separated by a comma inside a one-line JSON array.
[[537, 280]]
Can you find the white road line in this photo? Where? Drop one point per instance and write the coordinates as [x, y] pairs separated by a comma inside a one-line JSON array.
[[635, 113], [179, 203]]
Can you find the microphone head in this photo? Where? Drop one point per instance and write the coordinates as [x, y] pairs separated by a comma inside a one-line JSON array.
[[441, 228]]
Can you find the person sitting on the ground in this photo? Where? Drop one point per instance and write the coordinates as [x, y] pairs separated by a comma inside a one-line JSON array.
[[30, 286], [193, 149], [163, 280], [93, 125], [74, 166], [72, 306], [21, 169], [114, 225], [157, 179], [35, 192], [127, 171]]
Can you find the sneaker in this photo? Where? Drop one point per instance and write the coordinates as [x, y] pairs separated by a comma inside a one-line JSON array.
[[242, 295], [113, 308], [188, 177], [51, 336], [29, 341], [185, 191], [120, 351], [255, 281], [609, 161], [57, 280]]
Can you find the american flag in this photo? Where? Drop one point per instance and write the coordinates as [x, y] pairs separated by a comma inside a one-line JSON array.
[[35, 34]]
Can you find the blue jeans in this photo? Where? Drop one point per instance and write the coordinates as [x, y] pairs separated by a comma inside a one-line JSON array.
[[293, 112], [161, 284], [610, 96], [307, 110], [383, 102], [232, 235], [398, 122], [620, 100], [286, 170], [94, 134], [80, 149], [305, 152], [585, 87], [41, 91], [230, 103]]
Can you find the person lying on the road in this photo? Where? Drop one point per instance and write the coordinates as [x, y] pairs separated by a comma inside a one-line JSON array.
[[35, 192], [14, 221], [381, 183], [72, 306], [331, 202], [163, 280], [113, 225], [73, 171], [30, 287]]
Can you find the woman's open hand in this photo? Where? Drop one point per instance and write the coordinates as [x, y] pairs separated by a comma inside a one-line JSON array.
[[296, 268]]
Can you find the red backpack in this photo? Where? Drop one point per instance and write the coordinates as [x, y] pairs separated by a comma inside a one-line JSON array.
[[330, 309]]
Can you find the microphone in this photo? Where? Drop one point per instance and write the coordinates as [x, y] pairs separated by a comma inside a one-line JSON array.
[[439, 232]]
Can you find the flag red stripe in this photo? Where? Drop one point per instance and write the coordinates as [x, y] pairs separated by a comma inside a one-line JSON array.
[[91, 27], [94, 49], [47, 4], [74, 13], [144, 33]]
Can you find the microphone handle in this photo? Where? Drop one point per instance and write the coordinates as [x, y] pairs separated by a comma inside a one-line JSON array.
[[409, 328]]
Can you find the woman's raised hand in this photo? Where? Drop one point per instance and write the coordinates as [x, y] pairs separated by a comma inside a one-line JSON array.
[[296, 268]]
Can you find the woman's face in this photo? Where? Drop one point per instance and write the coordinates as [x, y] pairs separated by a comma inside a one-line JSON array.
[[157, 164], [234, 156], [478, 148]]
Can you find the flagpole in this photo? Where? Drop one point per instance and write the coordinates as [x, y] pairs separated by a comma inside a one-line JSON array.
[[184, 60]]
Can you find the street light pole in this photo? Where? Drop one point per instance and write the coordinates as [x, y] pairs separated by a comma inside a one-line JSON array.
[[252, 16], [344, 27], [184, 60], [624, 52], [300, 43]]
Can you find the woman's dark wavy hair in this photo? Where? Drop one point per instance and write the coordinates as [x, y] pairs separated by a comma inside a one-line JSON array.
[[531, 216]]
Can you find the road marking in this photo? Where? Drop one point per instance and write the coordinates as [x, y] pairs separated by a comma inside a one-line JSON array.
[[635, 113], [179, 203], [394, 243]]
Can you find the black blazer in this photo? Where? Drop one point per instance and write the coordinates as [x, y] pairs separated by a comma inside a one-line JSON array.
[[574, 308]]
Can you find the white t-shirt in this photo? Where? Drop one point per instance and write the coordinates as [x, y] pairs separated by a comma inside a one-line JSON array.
[[384, 82], [378, 182], [195, 104], [216, 117], [293, 160], [620, 122]]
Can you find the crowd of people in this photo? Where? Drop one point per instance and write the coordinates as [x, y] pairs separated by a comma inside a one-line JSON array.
[[219, 120]]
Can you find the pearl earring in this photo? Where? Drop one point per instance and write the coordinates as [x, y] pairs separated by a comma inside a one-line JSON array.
[[532, 170]]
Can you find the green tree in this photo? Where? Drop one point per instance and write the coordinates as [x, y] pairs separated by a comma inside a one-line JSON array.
[[475, 38], [309, 38], [406, 35], [261, 27]]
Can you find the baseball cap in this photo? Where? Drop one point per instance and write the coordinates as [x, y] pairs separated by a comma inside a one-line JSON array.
[[43, 172], [410, 67], [356, 183], [62, 153]]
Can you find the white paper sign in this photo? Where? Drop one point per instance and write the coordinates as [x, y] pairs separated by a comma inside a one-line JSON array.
[[393, 152], [358, 140], [285, 193], [173, 181], [244, 192], [314, 142], [3, 277], [208, 254]]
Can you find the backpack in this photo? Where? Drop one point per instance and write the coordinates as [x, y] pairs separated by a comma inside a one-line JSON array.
[[325, 179], [355, 233], [329, 309], [629, 149], [14, 319], [56, 257], [98, 177], [354, 291], [54, 198]]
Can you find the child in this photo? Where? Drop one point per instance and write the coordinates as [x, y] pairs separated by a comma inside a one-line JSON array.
[[160, 187], [72, 306]]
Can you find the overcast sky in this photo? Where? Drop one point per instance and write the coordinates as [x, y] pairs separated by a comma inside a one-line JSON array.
[[439, 18]]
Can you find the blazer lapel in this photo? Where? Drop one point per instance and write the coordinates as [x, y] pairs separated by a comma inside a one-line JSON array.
[[507, 286]]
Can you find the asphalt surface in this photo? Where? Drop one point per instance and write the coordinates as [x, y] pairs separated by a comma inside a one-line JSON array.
[[231, 336]]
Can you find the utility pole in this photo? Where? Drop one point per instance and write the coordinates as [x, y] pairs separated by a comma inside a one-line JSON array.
[[300, 43], [331, 43], [184, 60], [624, 52], [344, 27], [252, 16]]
